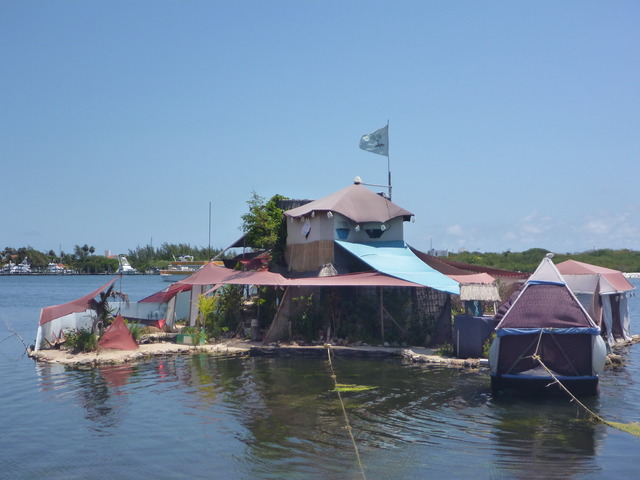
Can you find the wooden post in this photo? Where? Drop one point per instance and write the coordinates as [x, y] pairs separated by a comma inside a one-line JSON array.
[[382, 314]]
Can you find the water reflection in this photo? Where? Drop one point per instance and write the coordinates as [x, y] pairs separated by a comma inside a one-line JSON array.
[[279, 418], [551, 437]]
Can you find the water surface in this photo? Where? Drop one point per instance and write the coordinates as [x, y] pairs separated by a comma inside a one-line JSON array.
[[277, 418]]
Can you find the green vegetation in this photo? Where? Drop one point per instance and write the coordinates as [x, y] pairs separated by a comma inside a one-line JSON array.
[[486, 346], [624, 260], [345, 387], [151, 258], [219, 313], [103, 316], [445, 350], [198, 335], [633, 428], [83, 260], [136, 330], [265, 227], [83, 340]]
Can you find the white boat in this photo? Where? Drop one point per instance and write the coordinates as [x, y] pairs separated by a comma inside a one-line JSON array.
[[181, 268], [125, 268], [55, 269], [8, 268], [20, 269]]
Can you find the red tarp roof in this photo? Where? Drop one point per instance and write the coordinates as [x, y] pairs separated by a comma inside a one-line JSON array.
[[212, 274], [80, 305], [362, 279], [614, 277], [164, 295]]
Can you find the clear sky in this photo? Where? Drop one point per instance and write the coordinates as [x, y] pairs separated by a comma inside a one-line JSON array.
[[513, 124]]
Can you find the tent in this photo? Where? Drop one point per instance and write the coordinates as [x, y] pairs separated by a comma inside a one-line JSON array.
[[545, 319], [72, 315], [117, 337], [604, 289]]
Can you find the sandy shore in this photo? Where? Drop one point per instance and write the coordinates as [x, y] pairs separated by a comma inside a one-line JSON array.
[[233, 348], [236, 347]]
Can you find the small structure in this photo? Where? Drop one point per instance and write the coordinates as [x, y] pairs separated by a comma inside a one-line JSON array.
[[117, 336], [544, 326], [354, 214], [74, 315], [603, 292]]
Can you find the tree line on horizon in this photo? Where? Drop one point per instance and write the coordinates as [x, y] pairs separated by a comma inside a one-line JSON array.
[[264, 228], [150, 258], [624, 260], [83, 260]]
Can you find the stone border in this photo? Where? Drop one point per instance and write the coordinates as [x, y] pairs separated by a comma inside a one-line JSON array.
[[234, 348]]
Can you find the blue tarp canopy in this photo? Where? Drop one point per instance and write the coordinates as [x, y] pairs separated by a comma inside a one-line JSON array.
[[397, 260]]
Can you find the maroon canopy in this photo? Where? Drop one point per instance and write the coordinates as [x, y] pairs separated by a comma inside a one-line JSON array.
[[164, 295], [80, 305], [118, 337], [211, 274]]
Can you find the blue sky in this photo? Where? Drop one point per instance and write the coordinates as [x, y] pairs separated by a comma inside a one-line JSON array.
[[513, 125]]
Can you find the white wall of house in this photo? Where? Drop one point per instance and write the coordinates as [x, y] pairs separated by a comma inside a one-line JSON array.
[[337, 227]]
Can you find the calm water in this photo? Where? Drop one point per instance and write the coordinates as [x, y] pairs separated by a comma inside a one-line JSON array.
[[201, 417]]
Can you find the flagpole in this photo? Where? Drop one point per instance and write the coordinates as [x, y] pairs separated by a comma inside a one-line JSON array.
[[388, 162]]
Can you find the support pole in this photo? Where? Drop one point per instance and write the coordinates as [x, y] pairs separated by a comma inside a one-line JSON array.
[[382, 314]]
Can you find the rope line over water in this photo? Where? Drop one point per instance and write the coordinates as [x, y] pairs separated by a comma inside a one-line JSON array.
[[632, 428], [344, 411]]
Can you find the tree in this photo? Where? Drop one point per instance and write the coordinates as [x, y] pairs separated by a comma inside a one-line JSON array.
[[264, 225], [103, 316]]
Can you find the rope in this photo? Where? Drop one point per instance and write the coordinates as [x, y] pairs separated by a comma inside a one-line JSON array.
[[344, 411], [632, 428]]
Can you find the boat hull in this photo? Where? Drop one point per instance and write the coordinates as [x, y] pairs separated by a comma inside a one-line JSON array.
[[543, 385]]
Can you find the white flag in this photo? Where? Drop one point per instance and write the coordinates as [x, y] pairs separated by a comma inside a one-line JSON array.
[[376, 142]]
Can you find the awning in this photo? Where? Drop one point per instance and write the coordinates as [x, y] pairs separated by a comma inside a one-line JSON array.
[[164, 295], [361, 279], [79, 305], [577, 276], [396, 259], [211, 274]]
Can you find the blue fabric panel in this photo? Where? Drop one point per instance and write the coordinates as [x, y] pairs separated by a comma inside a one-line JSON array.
[[502, 332], [396, 259]]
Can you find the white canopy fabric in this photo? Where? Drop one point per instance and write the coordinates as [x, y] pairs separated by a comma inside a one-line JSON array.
[[611, 285]]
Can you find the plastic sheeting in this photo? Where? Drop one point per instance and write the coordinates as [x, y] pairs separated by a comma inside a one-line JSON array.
[[397, 260]]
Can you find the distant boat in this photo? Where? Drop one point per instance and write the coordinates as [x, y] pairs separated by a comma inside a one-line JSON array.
[[8, 268], [125, 268], [20, 269], [544, 325], [181, 268], [55, 269]]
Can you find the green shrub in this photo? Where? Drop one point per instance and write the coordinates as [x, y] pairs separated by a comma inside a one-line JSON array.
[[444, 350], [135, 329], [83, 340], [486, 346]]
